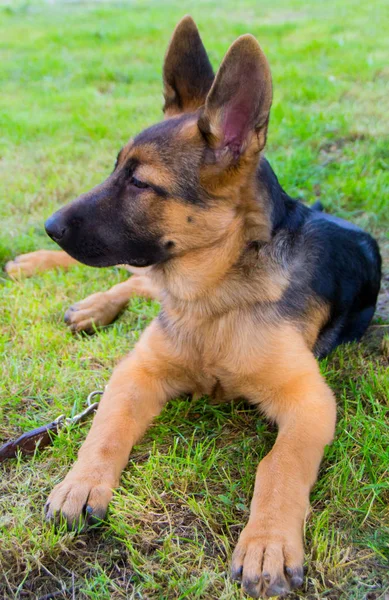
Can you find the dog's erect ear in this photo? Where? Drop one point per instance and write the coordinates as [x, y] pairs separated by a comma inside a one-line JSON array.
[[187, 72], [236, 112]]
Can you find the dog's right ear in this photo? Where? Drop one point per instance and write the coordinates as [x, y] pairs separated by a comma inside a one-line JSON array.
[[187, 72]]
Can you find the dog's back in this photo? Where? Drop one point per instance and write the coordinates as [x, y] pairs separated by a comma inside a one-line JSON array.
[[332, 263]]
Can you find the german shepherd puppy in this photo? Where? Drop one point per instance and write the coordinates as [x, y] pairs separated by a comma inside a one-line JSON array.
[[253, 285]]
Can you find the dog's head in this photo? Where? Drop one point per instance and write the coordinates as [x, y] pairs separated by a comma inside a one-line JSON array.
[[178, 185]]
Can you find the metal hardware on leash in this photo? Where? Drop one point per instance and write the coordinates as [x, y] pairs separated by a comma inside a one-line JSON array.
[[91, 407], [42, 436], [92, 395]]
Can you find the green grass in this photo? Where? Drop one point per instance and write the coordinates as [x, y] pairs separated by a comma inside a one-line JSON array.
[[77, 80]]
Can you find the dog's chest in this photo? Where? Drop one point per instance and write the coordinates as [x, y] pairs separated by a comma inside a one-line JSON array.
[[220, 351]]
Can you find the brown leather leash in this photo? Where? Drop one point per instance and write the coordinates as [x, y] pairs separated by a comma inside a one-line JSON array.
[[42, 436]]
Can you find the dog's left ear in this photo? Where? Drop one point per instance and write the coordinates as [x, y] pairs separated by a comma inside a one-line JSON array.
[[187, 72], [236, 112]]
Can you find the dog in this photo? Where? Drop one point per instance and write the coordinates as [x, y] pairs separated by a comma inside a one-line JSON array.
[[253, 285]]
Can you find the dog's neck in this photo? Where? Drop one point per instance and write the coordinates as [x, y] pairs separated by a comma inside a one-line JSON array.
[[198, 280], [197, 272]]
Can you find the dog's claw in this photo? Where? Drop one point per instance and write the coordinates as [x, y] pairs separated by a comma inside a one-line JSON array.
[[79, 500], [296, 576], [279, 587], [263, 560], [251, 588], [68, 314], [236, 574], [266, 577]]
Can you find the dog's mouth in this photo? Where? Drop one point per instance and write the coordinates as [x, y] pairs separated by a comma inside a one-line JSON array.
[[101, 246], [138, 262]]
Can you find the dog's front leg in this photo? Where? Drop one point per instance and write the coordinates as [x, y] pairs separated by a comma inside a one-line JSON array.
[[102, 308], [139, 388], [26, 265], [269, 555]]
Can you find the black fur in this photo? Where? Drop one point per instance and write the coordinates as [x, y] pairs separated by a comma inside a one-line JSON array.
[[331, 260], [94, 228], [162, 135]]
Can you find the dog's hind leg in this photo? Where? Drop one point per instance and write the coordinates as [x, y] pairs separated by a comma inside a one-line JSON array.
[[27, 265], [269, 555], [102, 308]]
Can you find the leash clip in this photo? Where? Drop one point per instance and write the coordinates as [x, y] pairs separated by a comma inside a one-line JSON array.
[[28, 442], [91, 407]]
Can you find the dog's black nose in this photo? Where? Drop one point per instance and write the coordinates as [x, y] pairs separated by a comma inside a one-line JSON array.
[[55, 227]]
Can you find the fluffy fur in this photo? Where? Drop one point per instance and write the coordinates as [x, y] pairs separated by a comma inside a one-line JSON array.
[[252, 285]]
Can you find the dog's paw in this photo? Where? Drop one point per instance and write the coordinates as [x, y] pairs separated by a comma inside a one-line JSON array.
[[95, 311], [268, 564], [27, 265], [78, 500]]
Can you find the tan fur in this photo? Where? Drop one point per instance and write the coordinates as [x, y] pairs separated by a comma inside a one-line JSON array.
[[316, 316], [102, 308], [123, 154], [26, 265], [273, 368], [290, 390], [210, 341], [220, 331]]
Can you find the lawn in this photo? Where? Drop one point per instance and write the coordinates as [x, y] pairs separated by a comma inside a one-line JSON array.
[[77, 80]]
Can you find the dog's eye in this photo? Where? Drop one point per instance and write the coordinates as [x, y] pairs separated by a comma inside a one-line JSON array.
[[137, 183]]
